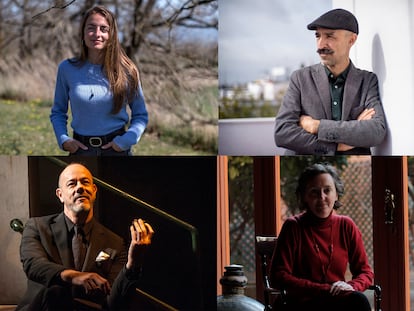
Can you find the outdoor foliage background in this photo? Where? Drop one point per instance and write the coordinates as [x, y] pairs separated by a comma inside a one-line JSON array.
[[174, 44]]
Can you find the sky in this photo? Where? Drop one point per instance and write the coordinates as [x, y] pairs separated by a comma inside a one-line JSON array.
[[256, 36]]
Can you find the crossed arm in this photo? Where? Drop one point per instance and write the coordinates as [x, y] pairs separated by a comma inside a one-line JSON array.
[[303, 126], [311, 125]]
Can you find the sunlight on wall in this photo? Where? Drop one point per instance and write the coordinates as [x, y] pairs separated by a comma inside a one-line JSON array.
[[385, 46]]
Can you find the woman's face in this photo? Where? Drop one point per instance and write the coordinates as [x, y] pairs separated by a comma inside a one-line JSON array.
[[320, 195], [96, 33]]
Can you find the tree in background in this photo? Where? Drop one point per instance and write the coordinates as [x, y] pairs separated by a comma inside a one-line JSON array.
[[241, 182], [173, 42], [159, 26]]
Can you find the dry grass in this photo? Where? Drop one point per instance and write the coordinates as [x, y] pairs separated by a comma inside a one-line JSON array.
[[183, 110], [32, 79]]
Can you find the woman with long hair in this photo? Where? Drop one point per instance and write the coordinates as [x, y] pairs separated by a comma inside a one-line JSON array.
[[99, 84]]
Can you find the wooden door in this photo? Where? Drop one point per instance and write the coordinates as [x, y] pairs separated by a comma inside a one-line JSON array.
[[391, 261]]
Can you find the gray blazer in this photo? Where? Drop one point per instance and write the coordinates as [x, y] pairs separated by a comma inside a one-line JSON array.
[[45, 252], [308, 94]]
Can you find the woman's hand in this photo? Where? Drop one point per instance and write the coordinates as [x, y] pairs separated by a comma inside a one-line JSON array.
[[141, 234], [113, 145], [339, 287], [72, 145]]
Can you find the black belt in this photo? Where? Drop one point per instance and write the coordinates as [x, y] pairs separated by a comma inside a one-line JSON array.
[[98, 141]]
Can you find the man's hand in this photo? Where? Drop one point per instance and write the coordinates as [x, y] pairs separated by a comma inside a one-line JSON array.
[[309, 124], [343, 147], [141, 234], [339, 287], [367, 114], [72, 145], [90, 281]]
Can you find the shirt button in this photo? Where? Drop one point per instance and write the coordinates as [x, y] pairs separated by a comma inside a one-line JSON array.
[[335, 103], [336, 86]]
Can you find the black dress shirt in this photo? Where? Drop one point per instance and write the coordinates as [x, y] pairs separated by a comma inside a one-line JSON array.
[[336, 87]]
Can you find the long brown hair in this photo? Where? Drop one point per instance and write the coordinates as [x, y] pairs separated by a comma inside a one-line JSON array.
[[121, 72]]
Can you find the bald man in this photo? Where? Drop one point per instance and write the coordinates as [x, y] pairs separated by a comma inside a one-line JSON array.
[[71, 260]]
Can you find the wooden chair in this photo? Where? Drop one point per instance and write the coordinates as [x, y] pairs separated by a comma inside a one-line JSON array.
[[265, 246]]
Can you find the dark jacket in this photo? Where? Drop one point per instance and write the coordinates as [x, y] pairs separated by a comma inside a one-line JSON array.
[[45, 252]]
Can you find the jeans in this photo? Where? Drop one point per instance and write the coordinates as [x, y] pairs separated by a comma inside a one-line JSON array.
[[98, 151]]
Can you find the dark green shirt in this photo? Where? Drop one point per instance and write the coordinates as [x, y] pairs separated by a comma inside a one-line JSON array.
[[336, 87]]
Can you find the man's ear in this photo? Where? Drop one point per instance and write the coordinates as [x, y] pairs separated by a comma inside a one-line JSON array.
[[352, 38], [94, 191], [59, 194]]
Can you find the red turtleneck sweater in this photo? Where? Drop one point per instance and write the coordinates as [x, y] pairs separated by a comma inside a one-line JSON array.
[[313, 253]]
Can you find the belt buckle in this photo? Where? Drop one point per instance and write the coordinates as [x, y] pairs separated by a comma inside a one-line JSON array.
[[95, 141]]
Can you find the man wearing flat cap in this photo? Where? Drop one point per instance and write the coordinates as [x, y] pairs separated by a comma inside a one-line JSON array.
[[332, 107]]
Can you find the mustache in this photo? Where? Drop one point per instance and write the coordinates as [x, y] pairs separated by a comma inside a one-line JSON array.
[[324, 51]]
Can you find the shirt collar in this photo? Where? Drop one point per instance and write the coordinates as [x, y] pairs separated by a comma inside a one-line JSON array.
[[86, 227], [342, 75]]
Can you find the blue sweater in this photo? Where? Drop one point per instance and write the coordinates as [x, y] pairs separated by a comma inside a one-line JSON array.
[[87, 90]]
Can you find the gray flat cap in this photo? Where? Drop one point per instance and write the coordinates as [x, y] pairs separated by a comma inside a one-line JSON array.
[[336, 19]]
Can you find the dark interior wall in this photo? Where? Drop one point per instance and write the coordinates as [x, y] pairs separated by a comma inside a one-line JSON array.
[[182, 186]]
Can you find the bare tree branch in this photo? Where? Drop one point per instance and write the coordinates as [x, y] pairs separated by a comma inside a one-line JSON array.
[[187, 8], [61, 7]]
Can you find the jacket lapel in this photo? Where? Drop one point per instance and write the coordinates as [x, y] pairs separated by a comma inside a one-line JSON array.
[[60, 234], [353, 81], [321, 80]]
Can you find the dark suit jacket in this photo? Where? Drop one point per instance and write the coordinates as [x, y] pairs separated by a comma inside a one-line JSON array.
[[308, 94], [45, 252]]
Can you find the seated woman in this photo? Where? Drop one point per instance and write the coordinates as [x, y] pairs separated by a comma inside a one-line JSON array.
[[315, 247]]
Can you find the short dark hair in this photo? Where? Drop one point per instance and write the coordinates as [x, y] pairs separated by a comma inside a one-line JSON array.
[[312, 171]]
